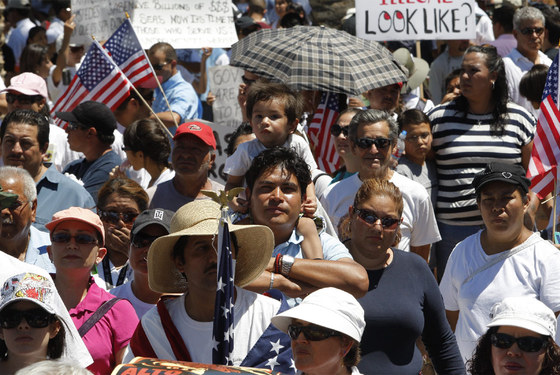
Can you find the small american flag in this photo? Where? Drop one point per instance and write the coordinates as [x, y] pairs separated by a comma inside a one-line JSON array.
[[126, 51], [546, 153], [97, 79], [319, 132], [223, 308]]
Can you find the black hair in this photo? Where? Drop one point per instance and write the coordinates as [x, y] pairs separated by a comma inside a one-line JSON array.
[[58, 5], [412, 117], [32, 56], [265, 91], [532, 83], [494, 63], [34, 31], [504, 16], [124, 187], [456, 73], [148, 136], [552, 24], [243, 129], [285, 158], [28, 117], [168, 50]]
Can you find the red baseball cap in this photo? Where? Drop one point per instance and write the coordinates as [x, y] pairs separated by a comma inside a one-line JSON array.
[[198, 129]]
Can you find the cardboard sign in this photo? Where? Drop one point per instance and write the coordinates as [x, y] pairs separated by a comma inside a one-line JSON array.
[[415, 19], [181, 23]]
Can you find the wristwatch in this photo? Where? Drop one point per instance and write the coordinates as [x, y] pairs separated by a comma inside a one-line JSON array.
[[287, 263]]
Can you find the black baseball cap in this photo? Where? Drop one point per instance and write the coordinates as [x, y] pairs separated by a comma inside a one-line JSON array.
[[92, 115], [157, 216], [496, 171]]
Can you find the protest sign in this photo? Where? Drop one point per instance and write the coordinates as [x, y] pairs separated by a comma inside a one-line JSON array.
[[181, 23], [224, 84], [415, 19]]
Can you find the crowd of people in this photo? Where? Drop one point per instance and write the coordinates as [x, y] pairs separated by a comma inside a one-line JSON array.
[[424, 251]]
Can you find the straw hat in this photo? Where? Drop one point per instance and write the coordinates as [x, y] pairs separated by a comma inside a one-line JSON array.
[[200, 218]]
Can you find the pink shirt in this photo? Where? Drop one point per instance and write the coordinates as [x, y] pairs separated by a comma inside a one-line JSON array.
[[108, 335]]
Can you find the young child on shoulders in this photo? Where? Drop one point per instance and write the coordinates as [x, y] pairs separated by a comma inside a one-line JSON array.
[[418, 144], [273, 110]]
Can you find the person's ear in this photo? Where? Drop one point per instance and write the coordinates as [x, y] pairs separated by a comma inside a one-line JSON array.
[[350, 211], [179, 264], [101, 252], [49, 251], [34, 210], [54, 328], [293, 126]]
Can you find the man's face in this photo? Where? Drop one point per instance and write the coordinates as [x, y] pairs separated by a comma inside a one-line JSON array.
[[530, 37], [17, 219], [161, 66], [384, 98], [191, 156], [199, 262], [374, 160], [276, 199], [20, 147]]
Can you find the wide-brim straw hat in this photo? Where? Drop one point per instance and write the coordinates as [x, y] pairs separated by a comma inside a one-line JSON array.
[[201, 218]]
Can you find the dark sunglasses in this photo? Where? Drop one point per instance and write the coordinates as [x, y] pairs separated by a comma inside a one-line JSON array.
[[311, 332], [336, 129], [531, 30], [160, 66], [366, 143], [114, 217], [75, 125], [248, 81], [142, 240], [23, 99], [370, 218], [36, 318], [80, 238], [528, 344]]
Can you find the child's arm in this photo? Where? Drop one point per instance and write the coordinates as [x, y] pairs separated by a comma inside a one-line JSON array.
[[237, 204], [311, 245], [309, 206]]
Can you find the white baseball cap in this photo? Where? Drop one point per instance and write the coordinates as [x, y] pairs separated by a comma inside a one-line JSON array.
[[524, 312]]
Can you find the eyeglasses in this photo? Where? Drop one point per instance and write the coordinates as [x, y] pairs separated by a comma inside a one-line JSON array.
[[36, 318], [370, 218], [311, 332], [528, 344], [336, 129], [531, 30], [23, 99], [366, 143], [415, 138], [248, 81], [142, 240], [113, 217], [160, 66], [75, 125], [80, 238]]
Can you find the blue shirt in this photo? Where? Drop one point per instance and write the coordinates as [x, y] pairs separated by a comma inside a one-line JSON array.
[[181, 96], [36, 253], [56, 192]]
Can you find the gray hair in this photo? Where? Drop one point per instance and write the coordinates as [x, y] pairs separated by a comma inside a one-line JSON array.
[[21, 174], [372, 116], [526, 14], [52, 367]]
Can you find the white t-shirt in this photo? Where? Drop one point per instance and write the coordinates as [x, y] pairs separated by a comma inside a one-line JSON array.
[[419, 225], [533, 272], [125, 291]]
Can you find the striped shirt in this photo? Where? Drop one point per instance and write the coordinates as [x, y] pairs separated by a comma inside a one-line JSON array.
[[463, 145]]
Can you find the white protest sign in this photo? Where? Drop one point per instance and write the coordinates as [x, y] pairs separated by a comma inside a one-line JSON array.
[[224, 84], [415, 19], [181, 23]]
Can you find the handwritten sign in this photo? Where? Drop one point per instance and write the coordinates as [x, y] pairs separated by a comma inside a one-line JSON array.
[[181, 23], [224, 83], [415, 19]]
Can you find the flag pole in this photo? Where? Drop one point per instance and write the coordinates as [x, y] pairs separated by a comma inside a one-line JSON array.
[[554, 208], [157, 80]]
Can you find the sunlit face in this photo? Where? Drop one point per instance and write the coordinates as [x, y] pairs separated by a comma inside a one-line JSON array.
[[514, 360], [17, 219], [531, 42], [270, 123], [21, 148], [476, 79], [161, 65], [136, 159], [385, 98], [191, 156], [418, 141], [374, 162], [342, 143], [74, 255]]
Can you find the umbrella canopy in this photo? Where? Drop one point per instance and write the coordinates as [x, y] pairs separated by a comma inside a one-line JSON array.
[[318, 58]]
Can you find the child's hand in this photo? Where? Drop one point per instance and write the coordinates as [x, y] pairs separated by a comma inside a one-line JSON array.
[[239, 205], [309, 207]]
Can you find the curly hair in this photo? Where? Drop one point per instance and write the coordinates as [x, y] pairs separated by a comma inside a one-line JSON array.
[[243, 129], [481, 362], [123, 187], [495, 64]]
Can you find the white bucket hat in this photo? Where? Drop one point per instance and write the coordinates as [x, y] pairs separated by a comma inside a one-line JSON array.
[[524, 312], [201, 218], [330, 308]]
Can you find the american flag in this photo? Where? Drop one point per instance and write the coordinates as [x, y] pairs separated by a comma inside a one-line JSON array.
[[223, 307], [319, 132], [546, 153], [97, 79], [126, 51]]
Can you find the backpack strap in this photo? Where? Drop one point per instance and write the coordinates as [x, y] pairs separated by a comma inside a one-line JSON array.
[[97, 315]]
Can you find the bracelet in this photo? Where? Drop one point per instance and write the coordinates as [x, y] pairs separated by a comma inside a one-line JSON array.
[[271, 281], [287, 263], [277, 263]]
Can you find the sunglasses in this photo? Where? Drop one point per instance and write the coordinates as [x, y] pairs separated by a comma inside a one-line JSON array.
[[113, 217], [248, 81], [142, 240], [370, 218], [311, 332], [531, 30], [160, 66], [528, 344], [336, 129], [80, 238], [36, 318], [366, 143], [23, 99], [75, 125]]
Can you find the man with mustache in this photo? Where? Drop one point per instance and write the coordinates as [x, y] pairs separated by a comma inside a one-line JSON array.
[[193, 155]]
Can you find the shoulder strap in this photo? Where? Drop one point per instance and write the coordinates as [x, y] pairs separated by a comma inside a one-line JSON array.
[[319, 176], [97, 315], [173, 336]]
